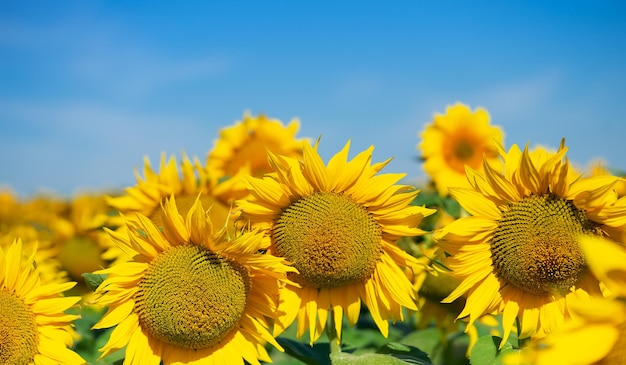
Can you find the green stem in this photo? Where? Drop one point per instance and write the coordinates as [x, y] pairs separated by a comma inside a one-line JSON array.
[[331, 332], [521, 342]]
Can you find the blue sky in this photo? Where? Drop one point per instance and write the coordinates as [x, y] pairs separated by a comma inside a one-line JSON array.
[[88, 88]]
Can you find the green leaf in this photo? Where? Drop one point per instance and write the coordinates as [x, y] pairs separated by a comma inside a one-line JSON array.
[[441, 349], [486, 352], [452, 207], [426, 339], [344, 358], [410, 354], [362, 338], [428, 198], [91, 340], [318, 354], [93, 281]]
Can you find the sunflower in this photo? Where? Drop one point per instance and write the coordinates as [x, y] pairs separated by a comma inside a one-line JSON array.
[[597, 332], [33, 326], [337, 224], [147, 196], [518, 253], [32, 222], [595, 336], [79, 237], [189, 295], [243, 145], [455, 139], [433, 285]]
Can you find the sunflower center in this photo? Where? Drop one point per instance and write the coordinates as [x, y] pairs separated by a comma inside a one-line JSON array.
[[464, 150], [191, 297], [330, 239], [18, 331], [535, 245]]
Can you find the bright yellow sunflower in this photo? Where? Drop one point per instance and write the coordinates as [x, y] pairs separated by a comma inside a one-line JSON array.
[[338, 225], [189, 295], [147, 196], [518, 253], [243, 146], [597, 332], [455, 139], [33, 326]]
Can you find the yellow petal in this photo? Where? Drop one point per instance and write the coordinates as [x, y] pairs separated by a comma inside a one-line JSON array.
[[607, 261], [314, 169], [475, 203]]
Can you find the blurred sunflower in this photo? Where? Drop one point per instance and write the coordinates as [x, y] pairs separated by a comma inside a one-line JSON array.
[[189, 295], [80, 238], [31, 222], [607, 260], [33, 326], [597, 332], [455, 139], [433, 285], [599, 168], [46, 256], [147, 196], [518, 254], [337, 225], [243, 146]]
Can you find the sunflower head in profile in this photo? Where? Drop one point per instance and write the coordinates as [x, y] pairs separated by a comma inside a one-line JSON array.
[[518, 252], [337, 224], [189, 295], [455, 139], [33, 326], [186, 180], [243, 145], [596, 333]]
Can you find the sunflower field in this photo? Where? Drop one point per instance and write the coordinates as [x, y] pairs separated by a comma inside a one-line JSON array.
[[262, 252]]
